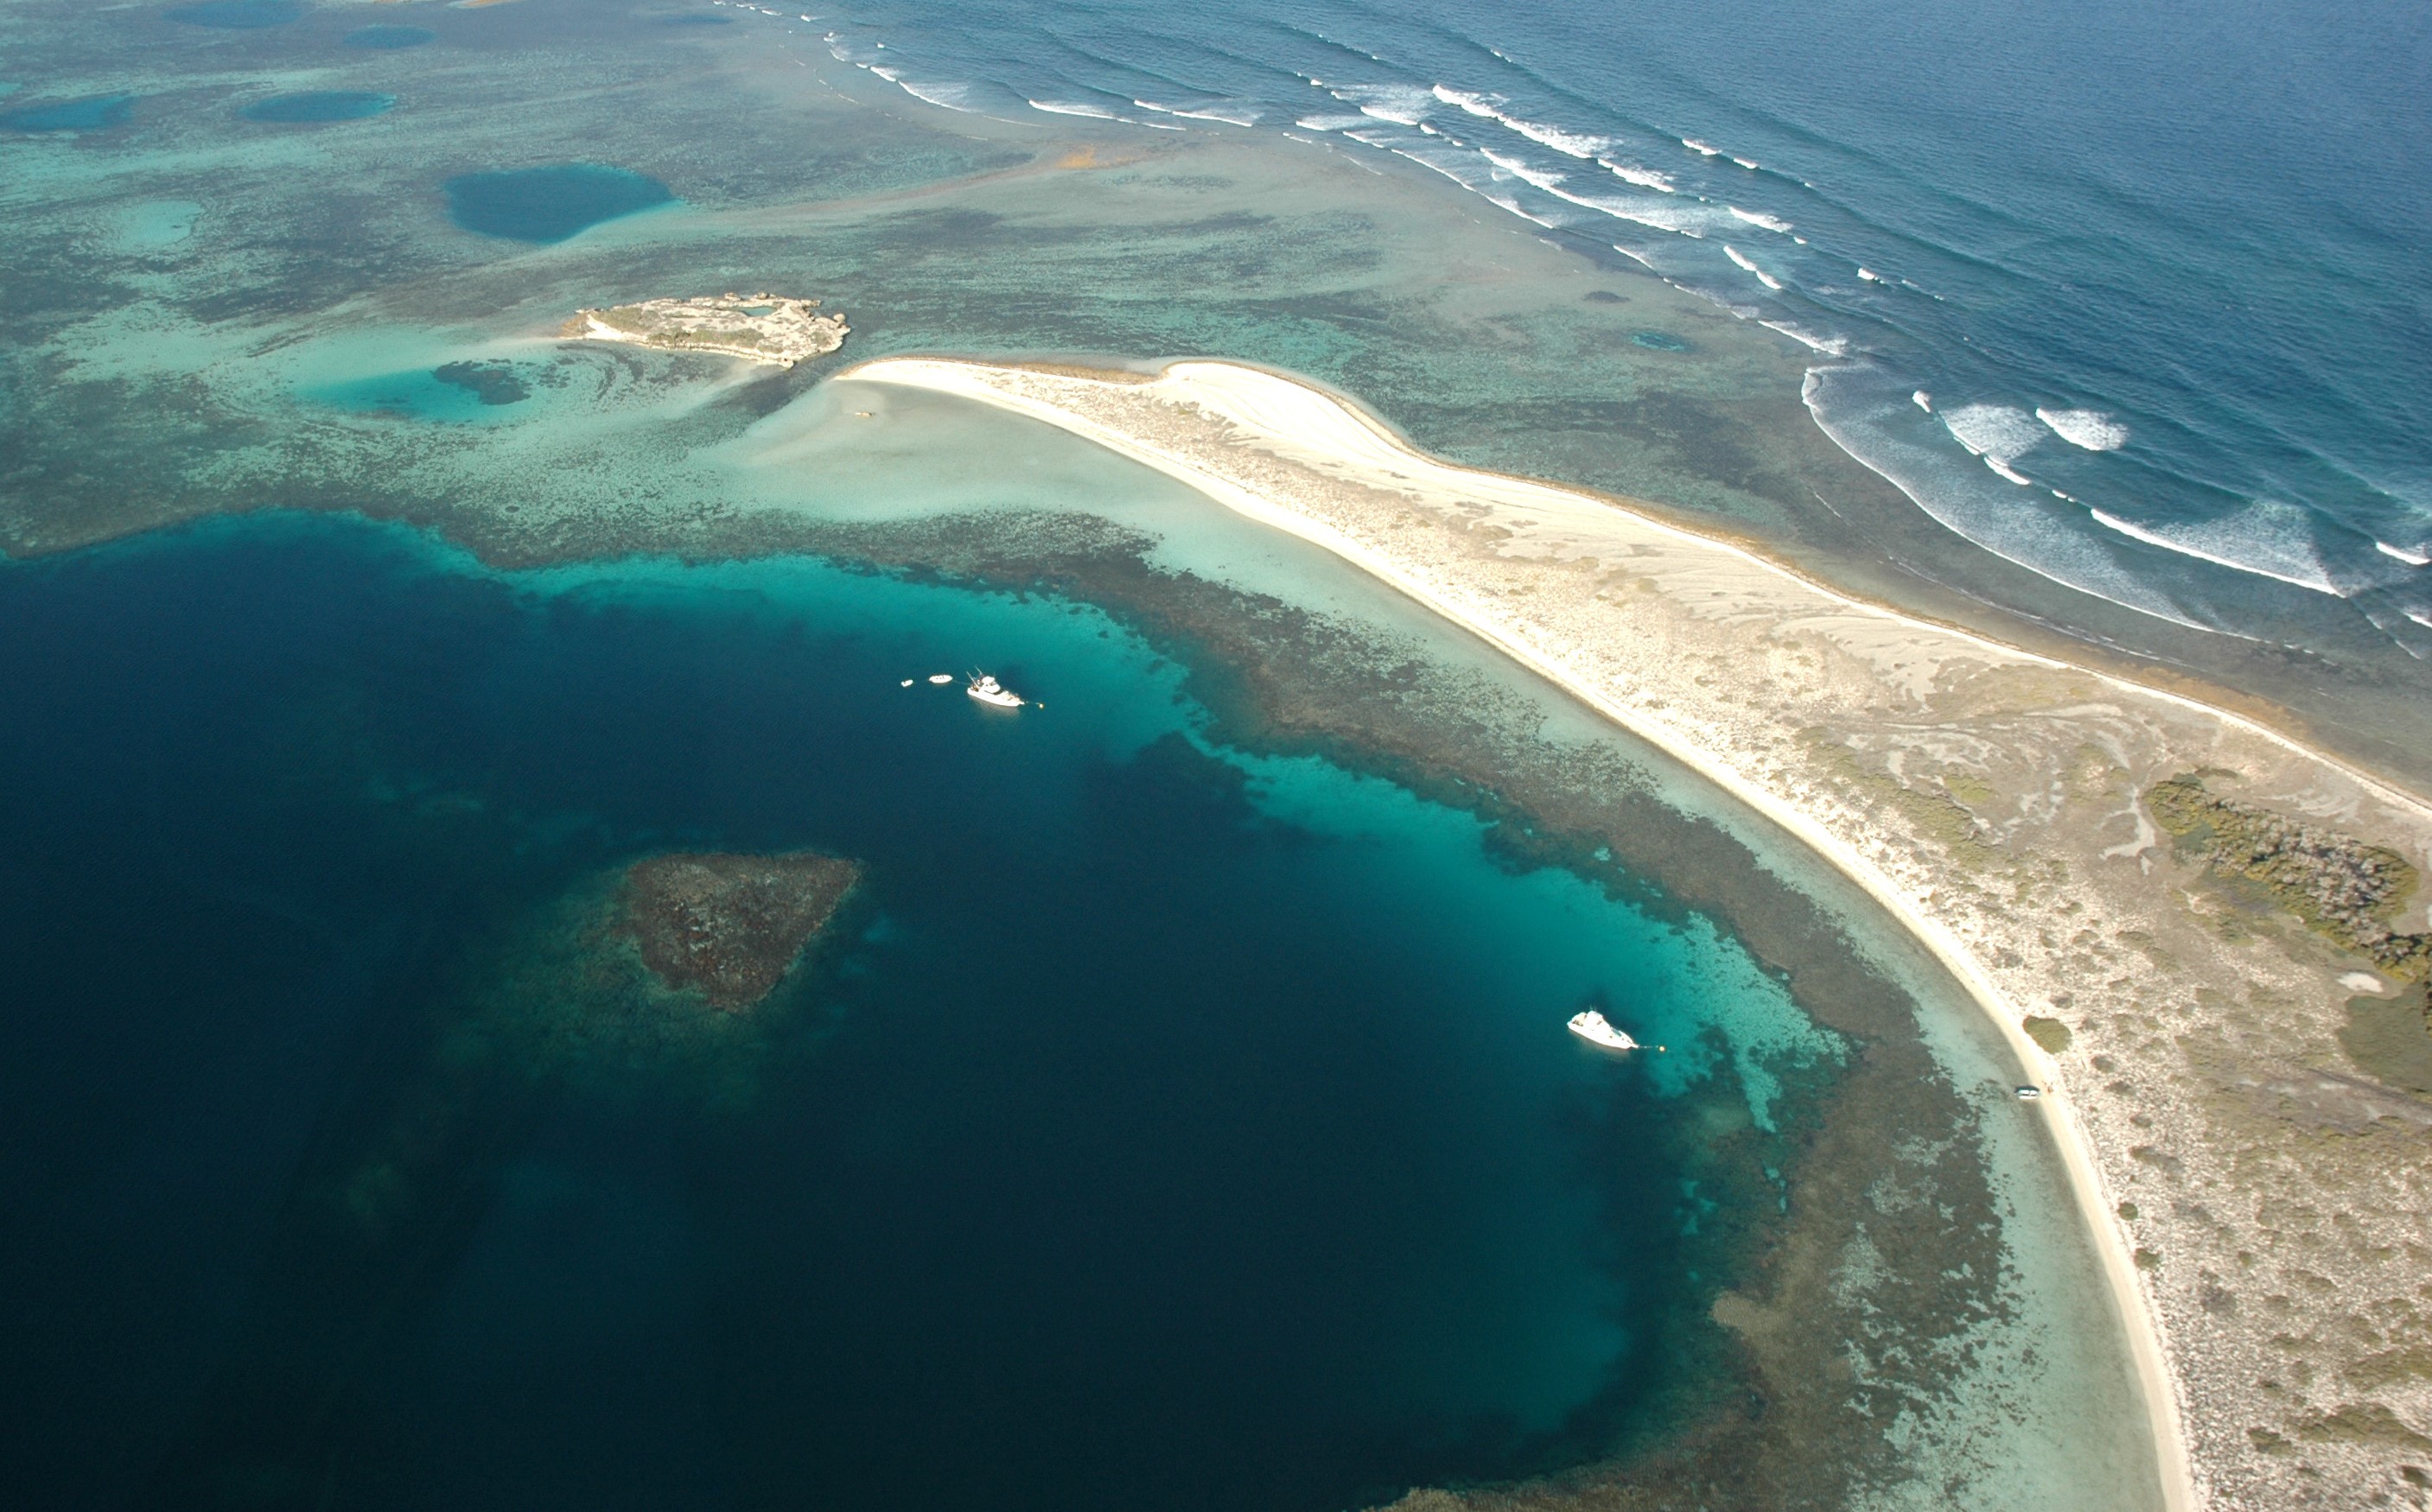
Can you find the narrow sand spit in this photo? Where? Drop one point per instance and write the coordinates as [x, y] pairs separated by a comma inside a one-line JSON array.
[[1993, 801]]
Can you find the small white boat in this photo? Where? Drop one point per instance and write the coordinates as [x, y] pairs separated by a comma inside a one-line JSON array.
[[941, 678], [1590, 1026], [988, 690], [907, 683]]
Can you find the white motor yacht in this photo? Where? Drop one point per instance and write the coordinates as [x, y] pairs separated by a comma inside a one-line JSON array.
[[988, 690], [1592, 1026]]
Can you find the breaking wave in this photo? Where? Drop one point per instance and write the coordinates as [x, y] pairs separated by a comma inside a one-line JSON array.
[[1074, 107], [2089, 429], [1994, 431], [1741, 258], [2267, 538], [1771, 222]]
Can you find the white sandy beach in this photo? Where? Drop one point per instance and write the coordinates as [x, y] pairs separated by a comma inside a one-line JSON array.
[[1947, 775]]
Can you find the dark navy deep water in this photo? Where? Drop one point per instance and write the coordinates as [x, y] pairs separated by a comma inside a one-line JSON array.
[[2158, 269], [1138, 1147]]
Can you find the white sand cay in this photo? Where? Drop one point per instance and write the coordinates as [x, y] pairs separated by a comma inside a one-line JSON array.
[[2259, 1201]]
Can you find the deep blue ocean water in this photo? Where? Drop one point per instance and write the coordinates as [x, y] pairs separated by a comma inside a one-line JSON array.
[[2134, 295], [1169, 1130]]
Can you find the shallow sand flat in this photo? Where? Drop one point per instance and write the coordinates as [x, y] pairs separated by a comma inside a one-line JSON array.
[[1991, 798]]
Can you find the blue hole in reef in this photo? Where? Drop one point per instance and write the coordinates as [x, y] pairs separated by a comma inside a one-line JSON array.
[[551, 203], [389, 39], [237, 15], [90, 114], [319, 105], [1659, 341]]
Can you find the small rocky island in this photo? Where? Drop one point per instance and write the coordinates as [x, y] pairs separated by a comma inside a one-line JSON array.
[[761, 328], [730, 925]]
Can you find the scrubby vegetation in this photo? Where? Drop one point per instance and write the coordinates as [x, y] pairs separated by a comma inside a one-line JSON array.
[[2341, 887]]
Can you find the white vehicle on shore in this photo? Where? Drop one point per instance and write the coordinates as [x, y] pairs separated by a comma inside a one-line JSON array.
[[1592, 1026], [988, 690]]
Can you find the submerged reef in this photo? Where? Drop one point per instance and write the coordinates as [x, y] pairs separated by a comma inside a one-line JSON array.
[[2343, 889], [730, 925], [763, 327], [549, 1011]]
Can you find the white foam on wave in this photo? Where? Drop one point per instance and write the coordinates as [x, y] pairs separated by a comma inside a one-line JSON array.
[[1544, 179], [1747, 163], [1490, 107], [949, 96], [2089, 429], [1857, 406], [1574, 144], [1994, 430], [1922, 400], [2009, 472], [1402, 104], [1226, 112], [1742, 260], [1829, 345], [1701, 149], [1683, 220], [1095, 112], [1452, 170], [2267, 538], [1478, 105], [1329, 123], [1643, 177], [2413, 557], [1770, 223]]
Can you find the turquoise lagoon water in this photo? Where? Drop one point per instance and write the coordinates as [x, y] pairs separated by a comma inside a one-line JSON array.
[[237, 15], [320, 104], [94, 114], [549, 204], [389, 39], [1174, 1129]]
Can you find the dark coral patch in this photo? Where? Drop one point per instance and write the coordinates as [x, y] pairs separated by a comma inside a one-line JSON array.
[[730, 926]]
